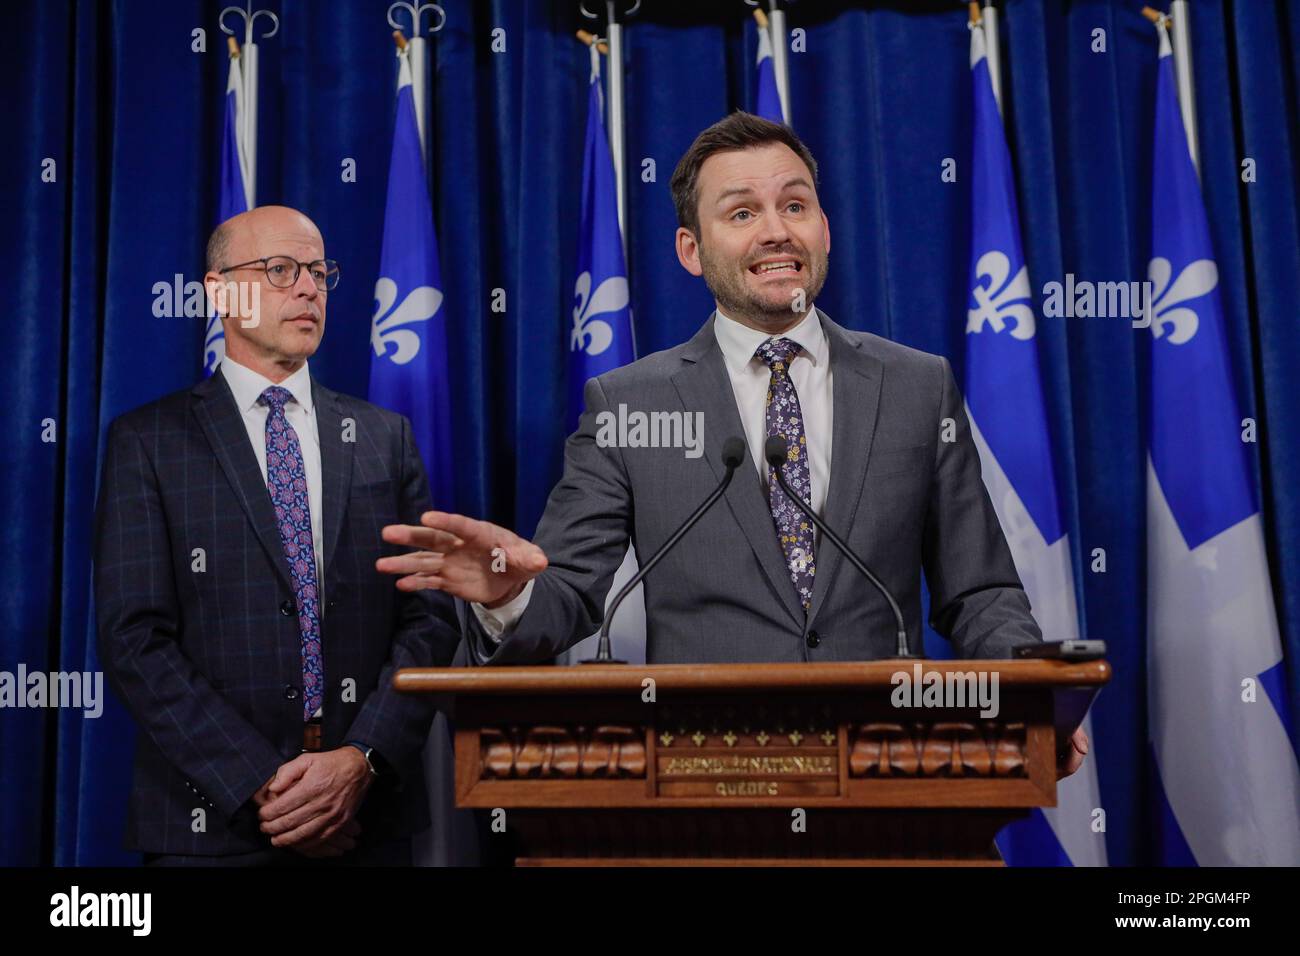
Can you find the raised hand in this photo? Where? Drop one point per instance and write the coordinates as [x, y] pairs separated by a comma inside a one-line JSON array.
[[472, 560]]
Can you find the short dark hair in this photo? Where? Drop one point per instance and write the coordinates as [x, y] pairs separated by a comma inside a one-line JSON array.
[[740, 130], [219, 247]]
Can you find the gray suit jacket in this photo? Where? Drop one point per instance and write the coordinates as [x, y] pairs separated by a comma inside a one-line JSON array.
[[901, 496]]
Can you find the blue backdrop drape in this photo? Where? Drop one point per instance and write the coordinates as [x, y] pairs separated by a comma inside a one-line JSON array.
[[131, 117]]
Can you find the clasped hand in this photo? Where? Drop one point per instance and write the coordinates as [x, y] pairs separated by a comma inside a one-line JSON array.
[[310, 804]]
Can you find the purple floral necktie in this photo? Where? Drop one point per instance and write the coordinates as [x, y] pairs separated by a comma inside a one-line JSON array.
[[784, 418], [286, 479]]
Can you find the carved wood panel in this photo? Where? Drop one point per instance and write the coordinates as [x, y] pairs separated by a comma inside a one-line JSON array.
[[940, 749], [563, 752]]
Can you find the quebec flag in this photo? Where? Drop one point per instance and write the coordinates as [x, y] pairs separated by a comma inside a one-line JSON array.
[[1228, 778], [233, 198], [408, 334], [768, 102], [1004, 399], [601, 336]]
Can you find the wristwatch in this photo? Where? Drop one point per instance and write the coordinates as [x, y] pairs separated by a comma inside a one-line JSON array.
[[368, 752]]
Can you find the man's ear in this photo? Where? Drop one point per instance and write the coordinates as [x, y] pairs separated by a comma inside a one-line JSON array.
[[826, 231], [688, 251], [214, 284]]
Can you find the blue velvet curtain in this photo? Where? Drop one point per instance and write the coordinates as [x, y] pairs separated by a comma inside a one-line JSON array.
[[113, 93]]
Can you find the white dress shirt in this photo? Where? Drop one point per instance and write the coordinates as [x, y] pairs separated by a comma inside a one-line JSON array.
[[247, 386], [810, 371]]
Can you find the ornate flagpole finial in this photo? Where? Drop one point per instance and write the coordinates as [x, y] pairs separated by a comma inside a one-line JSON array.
[[612, 13], [250, 18], [417, 10]]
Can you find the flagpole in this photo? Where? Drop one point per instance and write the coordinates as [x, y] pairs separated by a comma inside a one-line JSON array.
[[598, 47], [992, 46], [416, 53], [249, 116], [1176, 21], [249, 66], [773, 21], [986, 21], [617, 140], [1180, 14], [614, 103], [765, 35], [780, 57], [419, 92]]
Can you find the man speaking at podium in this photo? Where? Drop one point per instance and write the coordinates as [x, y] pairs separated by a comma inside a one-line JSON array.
[[878, 441]]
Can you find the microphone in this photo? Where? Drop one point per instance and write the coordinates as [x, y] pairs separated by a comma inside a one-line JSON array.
[[733, 453], [774, 450]]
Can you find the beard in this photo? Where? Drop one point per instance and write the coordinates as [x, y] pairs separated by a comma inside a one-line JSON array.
[[773, 309]]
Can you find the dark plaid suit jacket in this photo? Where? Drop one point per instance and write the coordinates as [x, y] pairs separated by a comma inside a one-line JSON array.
[[197, 628]]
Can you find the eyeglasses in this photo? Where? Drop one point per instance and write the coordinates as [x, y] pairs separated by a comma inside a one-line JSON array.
[[283, 271]]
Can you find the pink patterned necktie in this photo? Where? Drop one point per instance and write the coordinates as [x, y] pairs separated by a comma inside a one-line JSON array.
[[286, 479], [785, 418]]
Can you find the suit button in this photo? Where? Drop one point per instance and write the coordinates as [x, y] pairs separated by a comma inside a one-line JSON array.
[[813, 639], [290, 692], [287, 608], [331, 605]]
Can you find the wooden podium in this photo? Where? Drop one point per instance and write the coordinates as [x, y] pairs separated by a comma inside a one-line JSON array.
[[759, 764]]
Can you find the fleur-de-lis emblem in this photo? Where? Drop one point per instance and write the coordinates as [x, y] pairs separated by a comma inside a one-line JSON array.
[[998, 300], [214, 344], [1193, 282], [420, 305], [610, 296]]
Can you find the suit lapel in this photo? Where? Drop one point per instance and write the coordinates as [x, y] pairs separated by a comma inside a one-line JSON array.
[[336, 467], [223, 426], [704, 385], [857, 378]]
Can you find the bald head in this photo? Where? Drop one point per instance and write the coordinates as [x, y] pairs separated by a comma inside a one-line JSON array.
[[270, 327], [238, 232]]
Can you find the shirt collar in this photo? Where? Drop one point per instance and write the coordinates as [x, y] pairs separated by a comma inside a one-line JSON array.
[[740, 342], [247, 386]]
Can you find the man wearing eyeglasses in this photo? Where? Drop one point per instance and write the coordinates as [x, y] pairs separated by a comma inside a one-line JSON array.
[[241, 618]]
